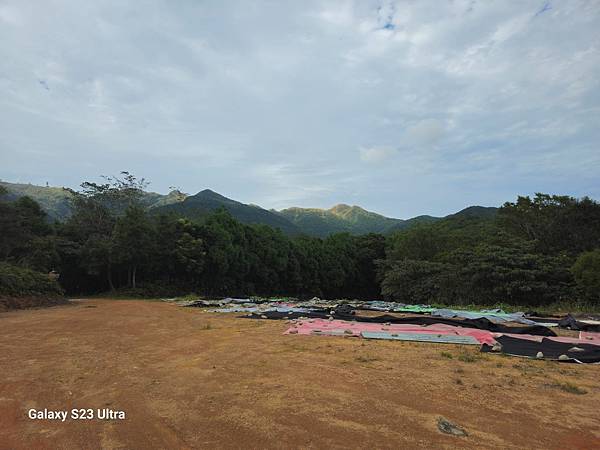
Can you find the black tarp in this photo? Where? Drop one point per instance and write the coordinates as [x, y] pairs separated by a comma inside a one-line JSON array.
[[573, 324], [480, 324], [551, 349]]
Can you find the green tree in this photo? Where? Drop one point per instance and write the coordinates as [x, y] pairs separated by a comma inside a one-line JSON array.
[[554, 223], [586, 271], [132, 240]]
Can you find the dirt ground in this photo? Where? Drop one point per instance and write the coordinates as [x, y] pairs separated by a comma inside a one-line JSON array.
[[192, 379]]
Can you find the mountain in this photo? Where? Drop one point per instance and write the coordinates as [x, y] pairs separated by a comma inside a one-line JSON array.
[[340, 218], [197, 207], [56, 201], [480, 212], [312, 221]]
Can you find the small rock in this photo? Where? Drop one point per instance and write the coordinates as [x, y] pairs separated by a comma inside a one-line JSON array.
[[445, 426], [563, 358], [576, 349], [330, 319], [262, 316], [497, 347], [348, 332], [294, 331], [539, 355]]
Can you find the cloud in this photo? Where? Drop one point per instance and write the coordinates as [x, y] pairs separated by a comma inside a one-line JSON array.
[[461, 102], [376, 155], [426, 132]]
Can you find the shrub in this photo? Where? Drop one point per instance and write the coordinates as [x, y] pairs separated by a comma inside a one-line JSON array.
[[21, 282]]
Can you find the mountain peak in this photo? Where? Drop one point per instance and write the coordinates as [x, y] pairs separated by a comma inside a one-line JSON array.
[[210, 194]]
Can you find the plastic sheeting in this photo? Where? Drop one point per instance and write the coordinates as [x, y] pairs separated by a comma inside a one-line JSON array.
[[547, 349], [495, 315], [347, 328], [422, 337]]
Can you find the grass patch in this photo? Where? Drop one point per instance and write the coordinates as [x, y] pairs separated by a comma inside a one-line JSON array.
[[569, 387], [446, 355], [206, 326], [468, 357], [365, 359]]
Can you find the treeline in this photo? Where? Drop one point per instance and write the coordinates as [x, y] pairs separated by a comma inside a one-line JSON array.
[[111, 242], [536, 251]]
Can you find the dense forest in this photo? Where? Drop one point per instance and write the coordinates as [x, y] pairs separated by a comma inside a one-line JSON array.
[[535, 251]]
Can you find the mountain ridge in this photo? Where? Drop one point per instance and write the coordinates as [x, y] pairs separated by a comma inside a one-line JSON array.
[[318, 222]]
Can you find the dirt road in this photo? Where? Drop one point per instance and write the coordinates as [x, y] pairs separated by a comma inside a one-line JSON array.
[[190, 379]]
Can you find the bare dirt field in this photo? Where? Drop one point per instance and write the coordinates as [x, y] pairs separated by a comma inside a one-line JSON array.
[[191, 379]]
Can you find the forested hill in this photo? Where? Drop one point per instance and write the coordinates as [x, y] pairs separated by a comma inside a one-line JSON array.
[[340, 218], [356, 220], [56, 202], [198, 207]]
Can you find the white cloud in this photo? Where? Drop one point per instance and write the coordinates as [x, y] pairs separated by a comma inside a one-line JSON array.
[[269, 101], [376, 155]]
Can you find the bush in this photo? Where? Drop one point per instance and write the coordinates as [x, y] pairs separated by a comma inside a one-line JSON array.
[[21, 282]]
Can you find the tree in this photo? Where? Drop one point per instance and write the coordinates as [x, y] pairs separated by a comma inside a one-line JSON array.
[[132, 240], [554, 223], [586, 271]]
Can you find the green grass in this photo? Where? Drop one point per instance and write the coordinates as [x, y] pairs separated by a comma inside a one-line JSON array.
[[446, 355]]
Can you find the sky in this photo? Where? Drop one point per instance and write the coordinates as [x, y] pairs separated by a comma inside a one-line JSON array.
[[404, 108]]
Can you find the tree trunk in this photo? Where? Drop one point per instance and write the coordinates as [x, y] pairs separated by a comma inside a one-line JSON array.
[[109, 278], [133, 276], [128, 276]]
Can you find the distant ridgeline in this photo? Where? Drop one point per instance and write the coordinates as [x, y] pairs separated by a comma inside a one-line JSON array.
[[56, 202]]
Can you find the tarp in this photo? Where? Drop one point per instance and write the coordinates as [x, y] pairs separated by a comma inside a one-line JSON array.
[[565, 339], [422, 337], [573, 324], [347, 328], [496, 316], [481, 324], [550, 349], [590, 337]]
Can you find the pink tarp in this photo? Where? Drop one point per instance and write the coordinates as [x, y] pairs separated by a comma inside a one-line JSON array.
[[590, 337], [346, 328]]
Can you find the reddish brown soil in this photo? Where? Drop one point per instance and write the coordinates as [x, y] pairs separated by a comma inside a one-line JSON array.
[[190, 379], [8, 303]]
